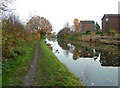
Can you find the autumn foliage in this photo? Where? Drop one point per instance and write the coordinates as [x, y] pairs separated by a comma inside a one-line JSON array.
[[40, 25], [76, 25], [17, 35]]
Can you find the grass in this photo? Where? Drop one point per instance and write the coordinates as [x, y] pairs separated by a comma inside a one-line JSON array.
[[51, 72], [16, 70]]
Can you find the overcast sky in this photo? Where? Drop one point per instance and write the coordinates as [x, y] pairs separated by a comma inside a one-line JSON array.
[[58, 12]]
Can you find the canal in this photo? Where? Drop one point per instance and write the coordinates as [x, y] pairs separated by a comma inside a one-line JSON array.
[[95, 65]]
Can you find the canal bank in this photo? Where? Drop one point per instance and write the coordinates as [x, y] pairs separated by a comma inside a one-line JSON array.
[[99, 39], [51, 72], [38, 66]]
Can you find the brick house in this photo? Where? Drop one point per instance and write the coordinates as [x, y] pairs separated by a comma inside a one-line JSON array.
[[87, 25], [110, 21]]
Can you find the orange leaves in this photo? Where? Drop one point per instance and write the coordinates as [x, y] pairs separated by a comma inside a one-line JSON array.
[[39, 36], [41, 24], [76, 24], [76, 20]]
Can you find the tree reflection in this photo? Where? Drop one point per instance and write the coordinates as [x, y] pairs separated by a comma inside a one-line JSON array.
[[63, 44], [76, 53], [85, 53], [108, 55], [51, 39], [108, 58], [96, 54]]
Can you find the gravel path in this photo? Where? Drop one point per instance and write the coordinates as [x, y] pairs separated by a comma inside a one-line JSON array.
[[31, 73]]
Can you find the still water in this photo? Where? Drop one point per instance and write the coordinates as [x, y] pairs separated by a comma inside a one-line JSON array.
[[96, 65]]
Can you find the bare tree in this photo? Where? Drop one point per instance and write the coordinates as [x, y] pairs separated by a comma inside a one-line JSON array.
[[4, 5]]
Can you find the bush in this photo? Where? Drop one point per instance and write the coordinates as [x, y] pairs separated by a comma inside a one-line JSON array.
[[112, 32], [86, 32], [98, 32], [15, 37], [83, 33], [118, 32]]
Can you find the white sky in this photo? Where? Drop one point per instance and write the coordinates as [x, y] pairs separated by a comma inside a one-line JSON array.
[[58, 12]]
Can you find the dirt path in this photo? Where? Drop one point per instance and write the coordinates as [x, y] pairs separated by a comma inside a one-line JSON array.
[[31, 73]]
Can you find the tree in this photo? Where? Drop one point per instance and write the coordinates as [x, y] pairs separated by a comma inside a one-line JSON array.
[[112, 32], [76, 25], [63, 33], [40, 25], [4, 5], [11, 23], [14, 36], [97, 27]]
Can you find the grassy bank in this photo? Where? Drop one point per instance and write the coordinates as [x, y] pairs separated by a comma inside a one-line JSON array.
[[109, 40], [51, 72], [15, 70]]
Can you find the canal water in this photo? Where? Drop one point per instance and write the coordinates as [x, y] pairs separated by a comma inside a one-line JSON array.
[[95, 65]]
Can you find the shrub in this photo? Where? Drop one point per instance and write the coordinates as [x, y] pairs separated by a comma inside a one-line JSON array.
[[15, 37], [86, 32], [98, 32], [112, 32], [83, 33]]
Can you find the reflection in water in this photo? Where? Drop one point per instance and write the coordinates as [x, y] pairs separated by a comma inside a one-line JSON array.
[[49, 46], [80, 53], [76, 53], [96, 65], [63, 44], [96, 54], [107, 58]]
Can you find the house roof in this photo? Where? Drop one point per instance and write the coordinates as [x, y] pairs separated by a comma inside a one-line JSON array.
[[87, 21], [111, 15]]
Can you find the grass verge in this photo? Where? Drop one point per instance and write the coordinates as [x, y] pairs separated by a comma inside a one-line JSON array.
[[51, 72], [16, 70]]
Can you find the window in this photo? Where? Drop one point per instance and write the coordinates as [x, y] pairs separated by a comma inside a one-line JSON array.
[[106, 19]]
